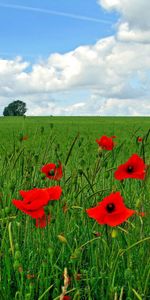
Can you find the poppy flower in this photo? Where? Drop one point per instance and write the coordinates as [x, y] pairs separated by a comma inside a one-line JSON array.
[[34, 201], [66, 297], [52, 171], [111, 210], [23, 137], [42, 222], [30, 276], [106, 142], [133, 168], [78, 276], [139, 139]]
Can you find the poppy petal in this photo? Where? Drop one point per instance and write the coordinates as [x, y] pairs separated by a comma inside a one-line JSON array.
[[111, 210], [117, 219], [51, 167], [106, 142], [133, 168], [36, 198], [96, 213], [21, 206], [54, 192], [43, 221]]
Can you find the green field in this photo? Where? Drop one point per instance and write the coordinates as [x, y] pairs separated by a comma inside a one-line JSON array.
[[103, 263]]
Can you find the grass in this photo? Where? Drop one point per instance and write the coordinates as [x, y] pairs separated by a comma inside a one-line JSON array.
[[102, 262]]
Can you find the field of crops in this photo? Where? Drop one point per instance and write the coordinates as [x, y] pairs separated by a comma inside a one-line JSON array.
[[68, 254]]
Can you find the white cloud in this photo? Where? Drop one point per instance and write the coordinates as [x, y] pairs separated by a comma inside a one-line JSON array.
[[134, 22], [135, 35], [115, 72], [135, 12], [125, 107]]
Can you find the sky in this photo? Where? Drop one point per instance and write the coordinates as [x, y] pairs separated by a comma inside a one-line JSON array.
[[88, 57]]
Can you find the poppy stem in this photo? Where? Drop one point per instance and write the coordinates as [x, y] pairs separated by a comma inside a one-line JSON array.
[[143, 151], [70, 150], [88, 181], [107, 235], [11, 238], [96, 169]]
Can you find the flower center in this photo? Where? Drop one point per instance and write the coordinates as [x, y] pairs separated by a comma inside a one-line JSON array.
[[110, 207], [130, 169], [51, 172]]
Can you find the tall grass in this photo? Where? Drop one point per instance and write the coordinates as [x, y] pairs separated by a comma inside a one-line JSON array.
[[102, 262]]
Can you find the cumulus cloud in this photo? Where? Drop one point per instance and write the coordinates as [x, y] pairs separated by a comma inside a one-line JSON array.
[[134, 22], [115, 72], [128, 107]]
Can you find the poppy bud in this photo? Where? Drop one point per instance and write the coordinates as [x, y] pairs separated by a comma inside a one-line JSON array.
[[17, 255], [62, 238], [42, 176], [16, 264], [16, 246], [106, 174], [76, 254], [138, 203], [100, 150], [18, 224], [50, 251], [114, 233], [7, 210]]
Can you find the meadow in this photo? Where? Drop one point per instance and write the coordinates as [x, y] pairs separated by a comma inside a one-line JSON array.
[[91, 261]]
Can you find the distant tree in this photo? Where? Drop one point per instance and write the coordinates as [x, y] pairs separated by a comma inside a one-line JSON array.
[[15, 108]]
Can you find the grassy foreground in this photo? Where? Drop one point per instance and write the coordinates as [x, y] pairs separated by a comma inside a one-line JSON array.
[[102, 262]]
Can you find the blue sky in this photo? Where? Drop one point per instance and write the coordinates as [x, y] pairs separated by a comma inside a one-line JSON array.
[[88, 57], [32, 33]]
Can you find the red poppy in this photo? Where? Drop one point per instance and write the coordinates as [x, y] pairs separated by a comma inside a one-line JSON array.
[[106, 142], [34, 201], [139, 139], [111, 210], [23, 138], [42, 222], [78, 276], [66, 297], [52, 171], [133, 168], [65, 208], [30, 276]]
